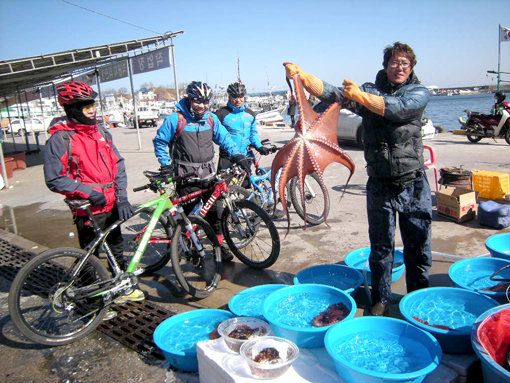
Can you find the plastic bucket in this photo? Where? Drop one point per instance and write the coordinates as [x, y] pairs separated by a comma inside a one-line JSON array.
[[380, 349], [342, 277], [448, 313], [177, 336], [249, 302], [499, 245], [491, 335], [290, 312], [358, 259], [474, 274]]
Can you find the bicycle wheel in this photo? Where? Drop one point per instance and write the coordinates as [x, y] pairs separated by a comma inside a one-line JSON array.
[[44, 307], [250, 234], [198, 275], [314, 199], [157, 252]]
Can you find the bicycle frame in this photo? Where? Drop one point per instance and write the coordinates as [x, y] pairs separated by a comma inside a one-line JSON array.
[[217, 190], [162, 205]]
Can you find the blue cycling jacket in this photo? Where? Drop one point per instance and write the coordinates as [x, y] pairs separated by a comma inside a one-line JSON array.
[[195, 143], [241, 124]]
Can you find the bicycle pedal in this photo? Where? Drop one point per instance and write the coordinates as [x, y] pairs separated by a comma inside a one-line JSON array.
[[139, 271]]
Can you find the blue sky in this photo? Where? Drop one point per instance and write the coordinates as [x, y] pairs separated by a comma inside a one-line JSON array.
[[456, 42]]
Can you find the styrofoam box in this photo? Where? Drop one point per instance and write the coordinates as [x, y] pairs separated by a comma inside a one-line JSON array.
[[217, 364]]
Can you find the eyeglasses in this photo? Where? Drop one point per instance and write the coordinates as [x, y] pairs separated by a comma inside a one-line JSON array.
[[403, 64], [89, 108], [200, 101]]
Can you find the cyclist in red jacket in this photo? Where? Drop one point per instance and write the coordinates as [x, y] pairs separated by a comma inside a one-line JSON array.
[[81, 161]]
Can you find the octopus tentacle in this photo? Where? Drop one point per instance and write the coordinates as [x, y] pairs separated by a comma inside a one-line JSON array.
[[312, 149]]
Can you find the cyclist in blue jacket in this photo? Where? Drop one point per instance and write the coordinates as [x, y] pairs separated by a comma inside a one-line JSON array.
[[184, 143], [240, 123]]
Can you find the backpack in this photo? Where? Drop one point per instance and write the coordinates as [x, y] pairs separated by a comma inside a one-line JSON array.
[[66, 137], [183, 167], [182, 123]]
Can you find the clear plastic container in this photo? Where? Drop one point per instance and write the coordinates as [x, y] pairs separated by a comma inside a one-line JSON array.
[[236, 331], [269, 356]]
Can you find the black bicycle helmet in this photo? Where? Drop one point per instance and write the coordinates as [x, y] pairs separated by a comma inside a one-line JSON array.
[[236, 89], [74, 91], [199, 90], [499, 97]]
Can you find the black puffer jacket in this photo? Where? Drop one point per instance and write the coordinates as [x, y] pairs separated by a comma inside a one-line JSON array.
[[393, 143]]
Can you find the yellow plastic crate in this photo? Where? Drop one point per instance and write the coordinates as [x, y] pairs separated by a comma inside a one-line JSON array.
[[491, 185]]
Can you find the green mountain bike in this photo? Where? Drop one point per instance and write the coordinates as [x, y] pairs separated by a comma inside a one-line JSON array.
[[63, 294]]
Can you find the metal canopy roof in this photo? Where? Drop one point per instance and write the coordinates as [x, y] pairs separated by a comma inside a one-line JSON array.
[[29, 72]]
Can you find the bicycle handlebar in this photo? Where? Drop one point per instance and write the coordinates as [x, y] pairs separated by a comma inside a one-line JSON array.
[[156, 179], [265, 142]]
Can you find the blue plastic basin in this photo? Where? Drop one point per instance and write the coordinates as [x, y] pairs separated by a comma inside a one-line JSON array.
[[249, 302], [358, 259], [474, 274], [177, 336], [342, 277], [499, 245], [380, 349], [492, 371], [452, 307], [290, 312]]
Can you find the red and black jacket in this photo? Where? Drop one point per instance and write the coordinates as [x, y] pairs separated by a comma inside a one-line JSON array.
[[95, 164]]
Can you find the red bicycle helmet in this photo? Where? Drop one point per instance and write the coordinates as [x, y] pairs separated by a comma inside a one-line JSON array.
[[74, 91]]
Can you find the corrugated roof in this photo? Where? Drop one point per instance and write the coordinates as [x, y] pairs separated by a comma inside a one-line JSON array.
[[29, 72]]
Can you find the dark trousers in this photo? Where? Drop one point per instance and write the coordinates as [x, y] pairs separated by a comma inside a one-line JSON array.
[[414, 207], [86, 233]]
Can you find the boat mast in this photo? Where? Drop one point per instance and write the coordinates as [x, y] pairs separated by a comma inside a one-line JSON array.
[[238, 71]]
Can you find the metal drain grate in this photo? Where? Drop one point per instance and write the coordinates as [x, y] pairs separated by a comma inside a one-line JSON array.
[[134, 324], [12, 258]]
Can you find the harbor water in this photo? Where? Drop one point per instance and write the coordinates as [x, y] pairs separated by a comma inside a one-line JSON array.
[[445, 111]]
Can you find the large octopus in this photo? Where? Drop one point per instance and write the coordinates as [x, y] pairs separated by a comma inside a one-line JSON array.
[[311, 150]]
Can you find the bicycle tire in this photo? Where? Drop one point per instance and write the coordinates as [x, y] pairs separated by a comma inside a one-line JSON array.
[[157, 252], [35, 297], [315, 211], [257, 245], [198, 277]]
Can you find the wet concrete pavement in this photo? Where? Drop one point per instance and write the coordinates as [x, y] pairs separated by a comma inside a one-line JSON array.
[[40, 216]]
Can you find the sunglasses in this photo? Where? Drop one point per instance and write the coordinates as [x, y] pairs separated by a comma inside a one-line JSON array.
[[200, 101], [89, 108]]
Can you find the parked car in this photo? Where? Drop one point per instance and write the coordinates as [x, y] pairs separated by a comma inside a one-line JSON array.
[[20, 127], [349, 127]]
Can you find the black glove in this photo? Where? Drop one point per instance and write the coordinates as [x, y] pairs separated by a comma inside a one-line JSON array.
[[263, 150], [97, 199], [243, 162], [166, 170], [125, 210]]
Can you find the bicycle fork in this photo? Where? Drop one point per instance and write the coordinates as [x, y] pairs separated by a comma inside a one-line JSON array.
[[190, 231]]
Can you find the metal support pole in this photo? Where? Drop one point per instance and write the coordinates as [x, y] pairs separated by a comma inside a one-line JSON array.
[[30, 117], [135, 114], [499, 57], [2, 164], [23, 119], [100, 97], [175, 71], [42, 113]]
